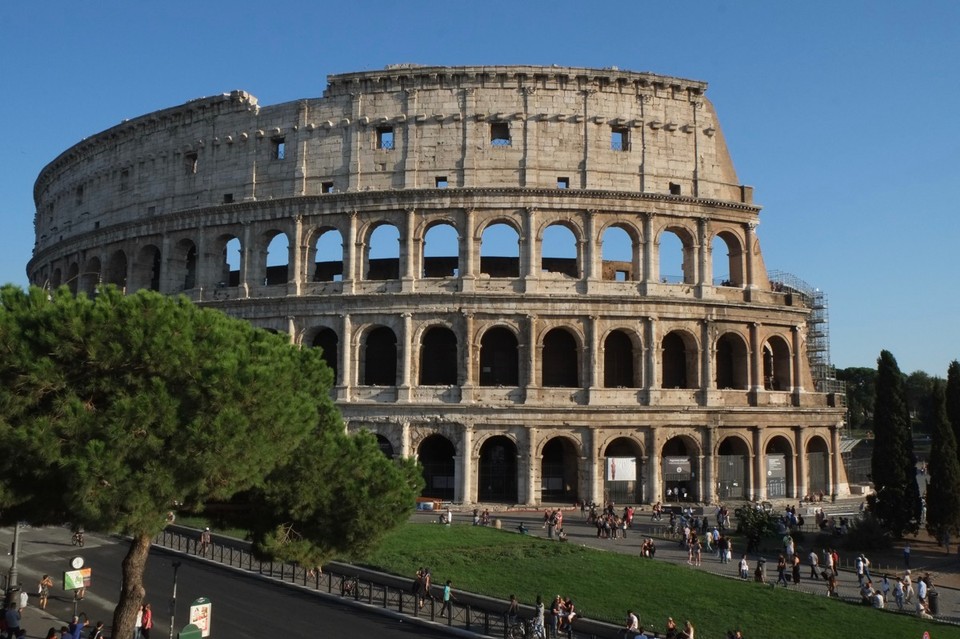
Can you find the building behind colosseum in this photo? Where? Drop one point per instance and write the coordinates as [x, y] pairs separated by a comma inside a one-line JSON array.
[[478, 251]]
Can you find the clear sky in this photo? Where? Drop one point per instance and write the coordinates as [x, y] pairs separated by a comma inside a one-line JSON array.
[[844, 116]]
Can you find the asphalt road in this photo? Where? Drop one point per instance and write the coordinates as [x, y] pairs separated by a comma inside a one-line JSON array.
[[243, 606]]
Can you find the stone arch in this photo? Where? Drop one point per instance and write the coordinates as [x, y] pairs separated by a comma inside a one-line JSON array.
[[73, 275], [90, 276], [818, 466], [560, 367], [499, 357], [56, 278], [381, 255], [669, 252], [560, 470], [622, 351], [620, 253], [325, 255], [276, 267], [733, 469], [438, 357], [116, 271], [145, 270], [183, 266], [497, 474], [327, 340], [678, 360], [559, 249], [441, 250], [227, 271], [732, 362], [379, 346], [386, 446], [500, 249], [680, 472], [436, 456], [779, 464], [776, 364], [623, 478], [728, 266]]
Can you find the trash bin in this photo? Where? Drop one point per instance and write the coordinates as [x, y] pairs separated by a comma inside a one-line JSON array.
[[933, 601]]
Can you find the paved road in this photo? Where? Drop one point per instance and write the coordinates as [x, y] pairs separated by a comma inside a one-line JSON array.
[[243, 607]]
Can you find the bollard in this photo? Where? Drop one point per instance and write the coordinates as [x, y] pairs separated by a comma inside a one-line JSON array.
[[497, 524]]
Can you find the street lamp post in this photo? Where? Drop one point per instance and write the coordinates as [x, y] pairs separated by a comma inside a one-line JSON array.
[[14, 556], [173, 599]]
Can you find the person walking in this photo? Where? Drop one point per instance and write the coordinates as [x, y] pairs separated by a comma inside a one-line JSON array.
[[46, 583], [146, 622], [447, 598]]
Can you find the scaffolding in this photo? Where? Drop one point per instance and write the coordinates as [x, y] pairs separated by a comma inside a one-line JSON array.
[[818, 331]]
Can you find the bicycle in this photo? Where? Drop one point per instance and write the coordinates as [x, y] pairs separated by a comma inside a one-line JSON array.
[[77, 539]]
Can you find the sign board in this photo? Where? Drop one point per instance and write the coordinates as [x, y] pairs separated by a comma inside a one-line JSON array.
[[190, 631], [679, 466], [621, 468], [201, 611], [76, 579], [776, 466]]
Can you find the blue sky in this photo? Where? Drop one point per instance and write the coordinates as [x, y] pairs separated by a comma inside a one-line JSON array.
[[842, 115]]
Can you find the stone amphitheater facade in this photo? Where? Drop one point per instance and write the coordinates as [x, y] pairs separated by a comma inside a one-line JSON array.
[[478, 252]]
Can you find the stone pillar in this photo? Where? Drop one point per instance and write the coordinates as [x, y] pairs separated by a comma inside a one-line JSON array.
[[245, 255], [406, 446], [710, 464], [404, 392], [533, 468], [409, 257], [590, 242], [836, 462], [468, 249], [532, 358], [531, 268], [354, 247], [756, 359], [708, 385], [292, 329], [465, 486], [703, 256], [655, 468], [467, 372], [166, 286], [650, 265], [296, 267], [346, 359], [701, 465], [748, 233], [800, 476], [651, 371], [594, 357], [759, 466], [797, 363], [593, 467]]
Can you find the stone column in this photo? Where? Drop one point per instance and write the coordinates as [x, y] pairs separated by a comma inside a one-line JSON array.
[[710, 463], [533, 467], [296, 266], [163, 276], [292, 329], [468, 366], [593, 467], [759, 466], [650, 266], [651, 372], [406, 446], [404, 392], [835, 462], [800, 476], [703, 256], [655, 468], [532, 358], [748, 239], [756, 359], [465, 486], [408, 254], [708, 385], [593, 358], [589, 255], [245, 255], [346, 359], [797, 363], [531, 269], [468, 249], [701, 465], [354, 247]]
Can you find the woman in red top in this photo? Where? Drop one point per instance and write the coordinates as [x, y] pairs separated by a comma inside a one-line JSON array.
[[146, 622]]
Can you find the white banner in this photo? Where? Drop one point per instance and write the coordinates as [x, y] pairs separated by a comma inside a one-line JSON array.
[[621, 468]]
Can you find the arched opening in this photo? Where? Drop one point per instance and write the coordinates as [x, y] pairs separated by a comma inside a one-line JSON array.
[[623, 472], [618, 361], [732, 362], [732, 470], [90, 277], [228, 273], [779, 463], [727, 253], [818, 467], [679, 470], [559, 471], [73, 275], [56, 278], [500, 251], [441, 254], [116, 272], [499, 361], [380, 357], [278, 260], [385, 446], [560, 359], [327, 341], [183, 266], [145, 270], [436, 454], [438, 357], [383, 253], [776, 364], [558, 251], [677, 261], [679, 361], [497, 475], [328, 257], [621, 255]]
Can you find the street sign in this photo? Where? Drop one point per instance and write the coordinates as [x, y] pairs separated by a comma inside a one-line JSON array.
[[201, 611], [76, 579]]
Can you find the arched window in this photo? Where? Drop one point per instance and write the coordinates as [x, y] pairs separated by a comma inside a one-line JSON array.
[[441, 252], [383, 253], [328, 259], [438, 357], [677, 371], [380, 358], [776, 364], [500, 251], [621, 257], [727, 260], [618, 361], [559, 251], [328, 342], [278, 260], [560, 357], [499, 358], [732, 362]]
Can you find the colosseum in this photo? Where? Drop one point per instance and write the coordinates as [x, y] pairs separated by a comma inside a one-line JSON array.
[[543, 282]]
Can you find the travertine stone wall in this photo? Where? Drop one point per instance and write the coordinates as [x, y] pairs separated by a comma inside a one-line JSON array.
[[514, 378]]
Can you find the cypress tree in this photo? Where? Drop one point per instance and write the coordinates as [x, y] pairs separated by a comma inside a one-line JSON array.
[[953, 399], [943, 489], [896, 502]]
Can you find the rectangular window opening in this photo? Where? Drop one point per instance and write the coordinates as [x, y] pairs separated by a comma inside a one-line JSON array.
[[674, 189], [441, 181], [279, 148], [620, 139], [326, 187], [228, 198], [79, 194], [190, 163], [124, 179], [500, 133], [563, 183], [620, 276], [385, 138]]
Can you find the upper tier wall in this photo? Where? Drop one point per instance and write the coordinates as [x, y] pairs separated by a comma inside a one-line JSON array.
[[405, 127]]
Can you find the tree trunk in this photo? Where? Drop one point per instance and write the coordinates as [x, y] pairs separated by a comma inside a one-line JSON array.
[[131, 588]]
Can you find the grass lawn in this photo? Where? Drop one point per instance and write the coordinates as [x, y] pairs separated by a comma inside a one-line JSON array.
[[603, 585]]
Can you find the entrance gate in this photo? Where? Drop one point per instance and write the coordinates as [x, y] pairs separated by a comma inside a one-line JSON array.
[[731, 475]]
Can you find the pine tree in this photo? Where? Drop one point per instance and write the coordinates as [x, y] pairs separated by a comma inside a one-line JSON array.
[[943, 489], [953, 399], [896, 502]]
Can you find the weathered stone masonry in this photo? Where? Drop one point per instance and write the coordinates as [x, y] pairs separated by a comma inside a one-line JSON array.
[[363, 222]]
